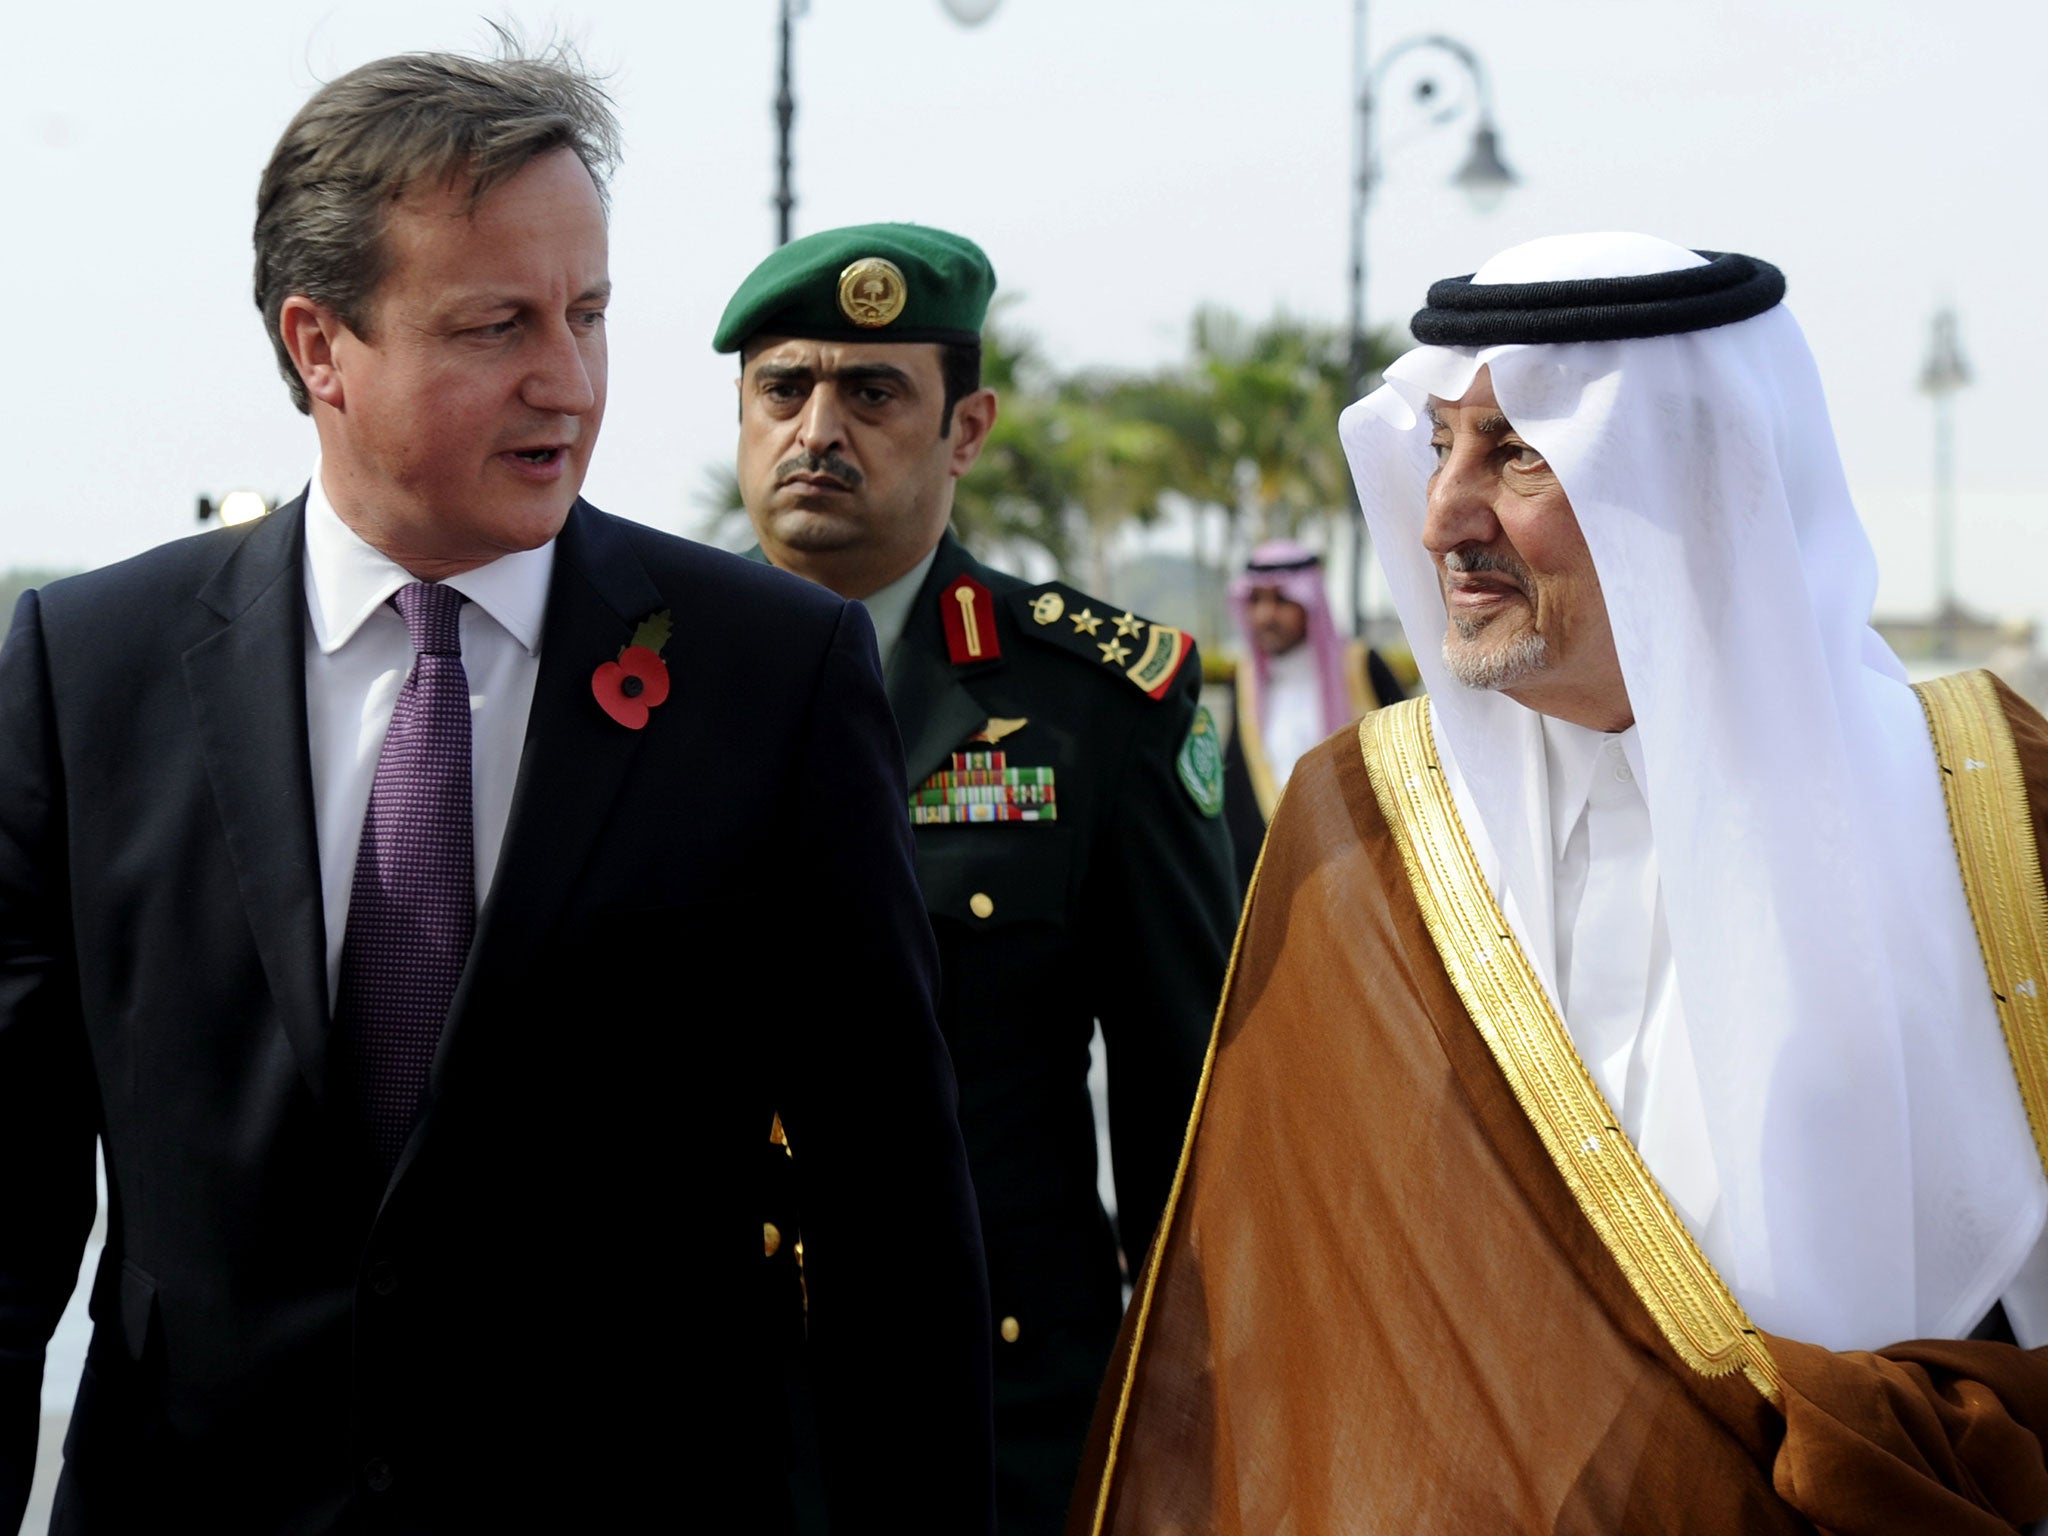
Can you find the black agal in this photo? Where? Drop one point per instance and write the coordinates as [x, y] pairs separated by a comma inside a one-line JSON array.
[[1462, 313]]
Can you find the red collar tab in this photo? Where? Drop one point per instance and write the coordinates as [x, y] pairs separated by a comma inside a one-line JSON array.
[[968, 611]]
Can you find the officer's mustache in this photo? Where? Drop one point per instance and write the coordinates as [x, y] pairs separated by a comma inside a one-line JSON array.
[[1472, 561], [808, 463]]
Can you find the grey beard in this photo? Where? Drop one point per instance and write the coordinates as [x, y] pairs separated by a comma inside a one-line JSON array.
[[1493, 668]]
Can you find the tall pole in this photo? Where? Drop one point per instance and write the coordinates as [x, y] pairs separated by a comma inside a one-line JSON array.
[[785, 114], [1944, 525], [1944, 374], [1483, 176], [1361, 191]]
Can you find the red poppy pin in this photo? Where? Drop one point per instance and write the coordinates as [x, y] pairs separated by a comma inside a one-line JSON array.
[[629, 687]]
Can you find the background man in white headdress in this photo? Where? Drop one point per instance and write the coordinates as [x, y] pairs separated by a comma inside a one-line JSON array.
[[1632, 1043], [1298, 681]]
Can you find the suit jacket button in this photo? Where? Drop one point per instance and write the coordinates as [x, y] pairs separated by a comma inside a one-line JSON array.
[[1010, 1330], [378, 1474], [771, 1238], [980, 905], [383, 1277]]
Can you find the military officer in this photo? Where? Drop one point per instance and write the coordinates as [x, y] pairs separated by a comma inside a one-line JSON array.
[[1064, 785]]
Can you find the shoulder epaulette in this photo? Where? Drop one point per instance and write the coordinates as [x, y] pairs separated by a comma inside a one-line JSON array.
[[1146, 654]]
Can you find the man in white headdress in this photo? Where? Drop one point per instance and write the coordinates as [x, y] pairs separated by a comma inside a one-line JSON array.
[[1298, 681], [1627, 1109]]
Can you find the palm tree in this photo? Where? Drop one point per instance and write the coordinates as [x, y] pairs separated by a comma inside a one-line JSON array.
[[1020, 490], [725, 512], [1275, 390], [1252, 417]]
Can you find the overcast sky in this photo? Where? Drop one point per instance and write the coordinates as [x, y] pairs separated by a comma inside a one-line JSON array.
[[1121, 160]]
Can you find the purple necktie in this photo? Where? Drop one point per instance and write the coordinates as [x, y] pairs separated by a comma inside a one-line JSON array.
[[412, 906]]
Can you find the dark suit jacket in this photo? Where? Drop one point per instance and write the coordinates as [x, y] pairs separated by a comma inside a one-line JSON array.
[[551, 1313], [1122, 911]]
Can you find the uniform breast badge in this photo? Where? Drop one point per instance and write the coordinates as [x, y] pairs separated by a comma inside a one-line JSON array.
[[997, 728], [983, 787]]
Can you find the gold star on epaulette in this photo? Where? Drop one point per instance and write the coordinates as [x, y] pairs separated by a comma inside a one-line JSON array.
[[1129, 623], [1085, 622], [1115, 652]]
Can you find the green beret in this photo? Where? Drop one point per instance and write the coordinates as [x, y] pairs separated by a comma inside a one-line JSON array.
[[867, 282]]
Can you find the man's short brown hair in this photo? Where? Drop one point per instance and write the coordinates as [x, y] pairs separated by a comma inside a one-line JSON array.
[[368, 138]]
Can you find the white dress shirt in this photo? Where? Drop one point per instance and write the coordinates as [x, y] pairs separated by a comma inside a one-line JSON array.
[[1617, 988], [889, 608], [1293, 706], [357, 657]]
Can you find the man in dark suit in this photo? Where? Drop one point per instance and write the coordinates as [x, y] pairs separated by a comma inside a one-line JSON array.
[[412, 1230], [1065, 786]]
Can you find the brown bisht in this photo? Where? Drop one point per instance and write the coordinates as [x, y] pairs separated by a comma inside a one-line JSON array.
[[1412, 1282]]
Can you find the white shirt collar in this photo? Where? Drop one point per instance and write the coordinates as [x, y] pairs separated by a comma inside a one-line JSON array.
[[1571, 754], [348, 579], [889, 609]]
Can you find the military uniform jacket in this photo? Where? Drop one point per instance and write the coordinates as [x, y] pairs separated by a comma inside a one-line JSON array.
[[1120, 907]]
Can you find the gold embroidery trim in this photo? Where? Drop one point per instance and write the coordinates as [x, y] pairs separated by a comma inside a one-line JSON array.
[[1251, 742], [1148, 1279], [1992, 827], [1691, 1305]]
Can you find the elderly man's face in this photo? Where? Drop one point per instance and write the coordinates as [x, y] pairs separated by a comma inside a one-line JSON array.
[[1526, 615]]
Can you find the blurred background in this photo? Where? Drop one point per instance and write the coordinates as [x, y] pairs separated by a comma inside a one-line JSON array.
[[1168, 189]]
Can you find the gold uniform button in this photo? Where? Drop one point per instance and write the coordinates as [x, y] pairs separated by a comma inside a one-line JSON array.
[[771, 1238], [1010, 1330], [980, 905]]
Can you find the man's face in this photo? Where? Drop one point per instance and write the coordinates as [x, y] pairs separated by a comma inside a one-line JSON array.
[[841, 464], [1278, 623], [1525, 610], [463, 430]]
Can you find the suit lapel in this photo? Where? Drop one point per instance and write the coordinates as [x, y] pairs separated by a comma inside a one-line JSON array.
[[935, 711], [575, 757], [248, 690]]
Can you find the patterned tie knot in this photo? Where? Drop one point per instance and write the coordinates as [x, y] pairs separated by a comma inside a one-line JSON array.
[[432, 614]]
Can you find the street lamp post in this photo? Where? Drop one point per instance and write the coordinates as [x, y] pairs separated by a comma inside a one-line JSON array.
[[1944, 374], [1484, 177], [785, 116], [969, 13]]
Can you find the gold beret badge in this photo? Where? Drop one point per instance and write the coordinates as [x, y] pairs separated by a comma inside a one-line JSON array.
[[872, 292]]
